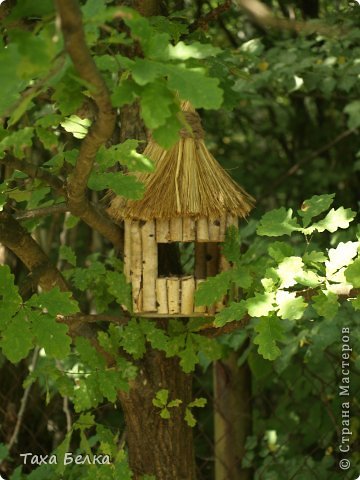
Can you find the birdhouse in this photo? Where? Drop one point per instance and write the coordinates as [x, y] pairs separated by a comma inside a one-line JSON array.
[[188, 199]]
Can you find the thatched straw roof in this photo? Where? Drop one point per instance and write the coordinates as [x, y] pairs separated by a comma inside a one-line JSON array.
[[187, 181]]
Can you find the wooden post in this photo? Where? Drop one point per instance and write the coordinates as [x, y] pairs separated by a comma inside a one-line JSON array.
[[127, 250], [150, 266], [202, 229], [176, 229], [161, 296], [136, 265], [214, 230], [222, 228], [200, 260], [187, 295], [162, 230], [173, 294], [200, 308], [212, 265], [188, 229]]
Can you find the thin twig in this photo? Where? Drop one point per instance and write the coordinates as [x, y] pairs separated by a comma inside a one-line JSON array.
[[41, 212], [294, 168], [14, 437], [264, 17]]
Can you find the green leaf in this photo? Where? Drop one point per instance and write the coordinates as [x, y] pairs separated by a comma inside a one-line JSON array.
[[161, 397], [353, 110], [55, 302], [174, 403], [89, 356], [198, 50], [124, 153], [314, 257], [314, 206], [165, 414], [17, 141], [290, 306], [16, 338], [68, 254], [242, 277], [352, 273], [334, 220], [133, 340], [231, 247], [195, 86], [279, 250], [124, 93], [261, 304], [51, 335], [155, 104], [125, 185], [326, 305], [278, 222], [269, 332], [189, 418], [119, 287], [188, 356], [10, 299], [77, 126], [355, 302], [213, 289], [168, 134], [198, 402], [288, 270], [110, 382], [234, 311]]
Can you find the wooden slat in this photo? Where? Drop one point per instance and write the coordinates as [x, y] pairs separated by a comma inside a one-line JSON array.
[[202, 229], [127, 250], [150, 266], [189, 233], [201, 308], [187, 295], [173, 294], [176, 229], [214, 230], [136, 266], [161, 296], [162, 231]]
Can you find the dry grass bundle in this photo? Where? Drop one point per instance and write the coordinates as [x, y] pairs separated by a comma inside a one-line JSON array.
[[187, 181]]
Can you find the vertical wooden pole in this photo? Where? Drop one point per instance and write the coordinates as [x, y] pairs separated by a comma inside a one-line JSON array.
[[162, 230], [136, 265], [189, 233], [176, 234], [214, 230], [202, 229], [187, 295], [231, 220], [200, 260], [127, 250], [212, 265], [150, 266], [222, 228], [173, 293], [161, 296]]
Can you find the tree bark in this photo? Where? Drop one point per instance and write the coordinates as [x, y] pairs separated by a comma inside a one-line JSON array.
[[232, 425], [159, 447]]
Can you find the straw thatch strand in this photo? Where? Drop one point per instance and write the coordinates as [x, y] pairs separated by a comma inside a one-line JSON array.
[[187, 182]]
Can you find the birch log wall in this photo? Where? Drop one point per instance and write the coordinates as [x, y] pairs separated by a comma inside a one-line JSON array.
[[173, 295]]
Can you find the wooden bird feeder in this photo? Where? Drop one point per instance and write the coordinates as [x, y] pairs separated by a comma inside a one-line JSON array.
[[189, 198]]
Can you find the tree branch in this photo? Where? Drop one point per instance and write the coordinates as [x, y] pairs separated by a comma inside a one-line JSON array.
[[34, 171], [101, 130], [41, 212], [263, 16], [203, 22], [21, 243]]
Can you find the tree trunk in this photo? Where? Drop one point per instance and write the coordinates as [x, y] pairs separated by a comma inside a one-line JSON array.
[[159, 447], [232, 392]]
